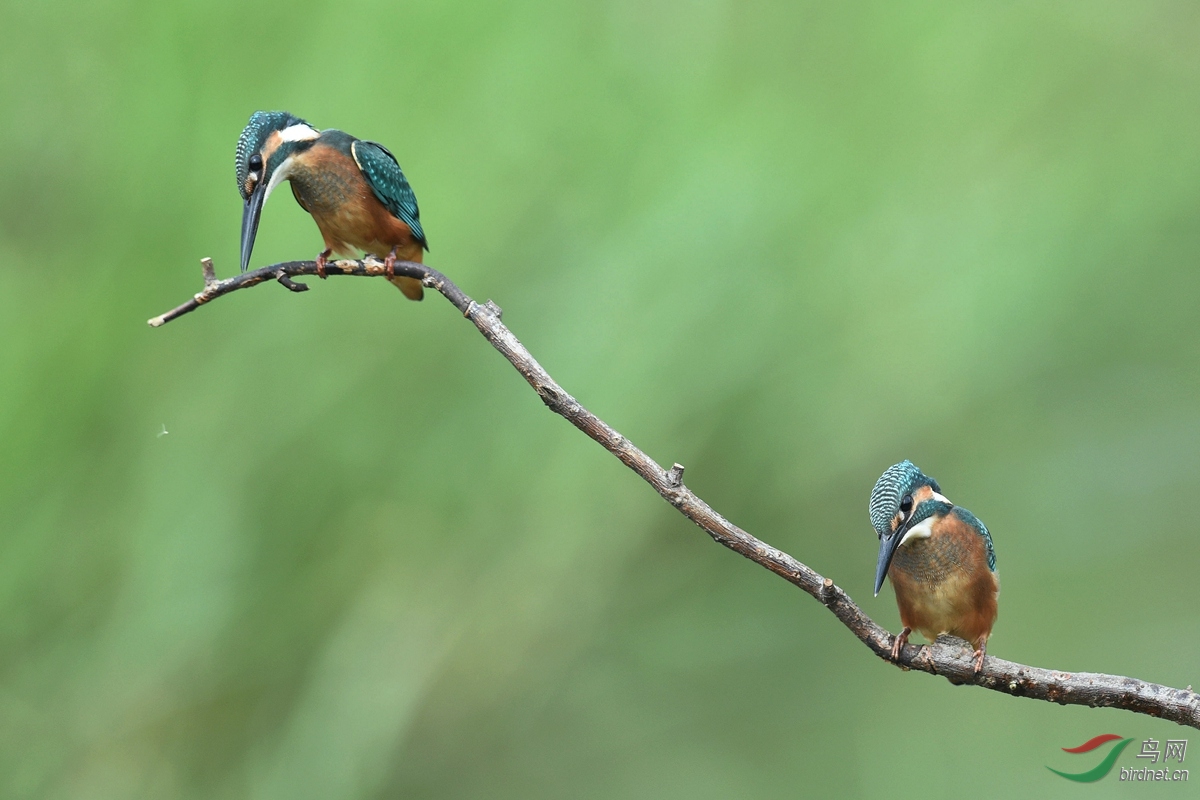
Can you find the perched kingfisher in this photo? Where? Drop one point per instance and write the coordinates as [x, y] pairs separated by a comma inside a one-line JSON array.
[[353, 188], [939, 557]]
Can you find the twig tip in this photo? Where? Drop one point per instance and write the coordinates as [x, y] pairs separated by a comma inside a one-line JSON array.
[[829, 592], [210, 274], [287, 282], [675, 475]]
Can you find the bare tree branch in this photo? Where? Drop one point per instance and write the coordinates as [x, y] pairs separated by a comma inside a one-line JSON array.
[[948, 656]]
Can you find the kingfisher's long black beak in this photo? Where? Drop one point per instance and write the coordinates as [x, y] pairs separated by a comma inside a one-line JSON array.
[[250, 215], [887, 548]]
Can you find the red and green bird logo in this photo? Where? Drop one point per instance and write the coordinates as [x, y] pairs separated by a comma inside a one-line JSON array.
[[1104, 767]]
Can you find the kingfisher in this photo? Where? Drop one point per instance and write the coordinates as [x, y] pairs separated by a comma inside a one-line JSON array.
[[354, 189], [940, 559]]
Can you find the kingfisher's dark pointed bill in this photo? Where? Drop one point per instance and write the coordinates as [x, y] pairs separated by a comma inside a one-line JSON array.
[[250, 216], [887, 549]]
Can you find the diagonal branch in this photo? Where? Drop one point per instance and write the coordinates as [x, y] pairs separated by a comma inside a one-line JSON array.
[[947, 656]]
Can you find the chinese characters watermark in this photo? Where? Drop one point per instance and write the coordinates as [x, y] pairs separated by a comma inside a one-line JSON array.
[[1171, 749]]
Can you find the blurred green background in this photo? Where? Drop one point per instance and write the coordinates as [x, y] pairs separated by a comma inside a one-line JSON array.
[[786, 244]]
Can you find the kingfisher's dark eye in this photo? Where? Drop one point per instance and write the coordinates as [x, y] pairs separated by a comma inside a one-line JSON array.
[[255, 162], [906, 504]]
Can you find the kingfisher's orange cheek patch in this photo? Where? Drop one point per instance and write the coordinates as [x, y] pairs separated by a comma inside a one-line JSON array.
[[272, 144]]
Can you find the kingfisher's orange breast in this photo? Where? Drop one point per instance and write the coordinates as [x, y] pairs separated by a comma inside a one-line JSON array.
[[943, 583], [329, 185]]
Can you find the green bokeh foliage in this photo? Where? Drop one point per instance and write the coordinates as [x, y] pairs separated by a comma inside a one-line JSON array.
[[786, 244]]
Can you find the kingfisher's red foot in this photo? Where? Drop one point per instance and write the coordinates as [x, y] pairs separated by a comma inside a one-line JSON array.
[[389, 264], [901, 640], [979, 654], [321, 261]]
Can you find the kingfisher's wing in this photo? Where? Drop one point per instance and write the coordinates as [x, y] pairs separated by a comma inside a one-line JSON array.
[[981, 529], [387, 181]]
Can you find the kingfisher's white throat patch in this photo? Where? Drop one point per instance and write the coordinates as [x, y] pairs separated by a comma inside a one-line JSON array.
[[922, 531], [299, 133], [282, 173]]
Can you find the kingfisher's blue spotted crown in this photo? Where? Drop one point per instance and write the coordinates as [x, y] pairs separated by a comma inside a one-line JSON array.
[[254, 136], [895, 482]]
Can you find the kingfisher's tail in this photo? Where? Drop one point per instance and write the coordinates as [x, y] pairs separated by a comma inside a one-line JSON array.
[[410, 286]]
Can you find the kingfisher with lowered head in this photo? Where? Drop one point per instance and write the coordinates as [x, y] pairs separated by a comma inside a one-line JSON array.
[[939, 557], [353, 188]]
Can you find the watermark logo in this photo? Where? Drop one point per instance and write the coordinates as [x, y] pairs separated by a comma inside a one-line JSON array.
[[1104, 767], [1152, 750]]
